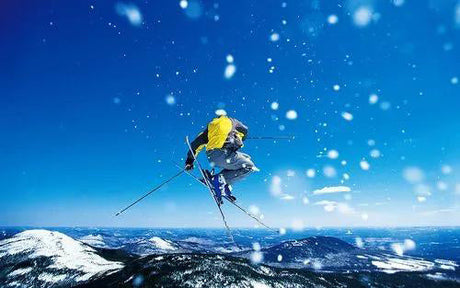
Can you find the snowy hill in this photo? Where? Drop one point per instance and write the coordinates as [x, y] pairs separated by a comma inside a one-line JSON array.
[[154, 245], [321, 253], [41, 258], [212, 270]]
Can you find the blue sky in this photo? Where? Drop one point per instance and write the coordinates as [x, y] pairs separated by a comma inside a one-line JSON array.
[[87, 127]]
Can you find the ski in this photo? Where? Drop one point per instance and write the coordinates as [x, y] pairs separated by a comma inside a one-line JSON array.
[[236, 205], [213, 195]]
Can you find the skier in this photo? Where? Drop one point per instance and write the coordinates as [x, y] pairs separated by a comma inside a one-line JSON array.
[[223, 137]]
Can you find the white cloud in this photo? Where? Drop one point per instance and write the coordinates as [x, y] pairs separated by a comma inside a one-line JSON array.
[[286, 197], [332, 189]]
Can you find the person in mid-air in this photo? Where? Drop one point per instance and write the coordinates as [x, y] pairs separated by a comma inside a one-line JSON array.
[[223, 137]]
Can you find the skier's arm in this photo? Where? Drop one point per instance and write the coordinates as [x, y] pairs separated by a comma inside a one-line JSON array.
[[241, 128], [197, 144]]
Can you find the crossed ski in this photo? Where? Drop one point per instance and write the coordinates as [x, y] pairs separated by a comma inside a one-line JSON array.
[[235, 204], [206, 183]]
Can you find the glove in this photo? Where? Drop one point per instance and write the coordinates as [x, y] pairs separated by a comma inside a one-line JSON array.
[[189, 164]]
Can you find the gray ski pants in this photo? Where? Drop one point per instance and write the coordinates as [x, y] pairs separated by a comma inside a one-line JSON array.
[[235, 165]]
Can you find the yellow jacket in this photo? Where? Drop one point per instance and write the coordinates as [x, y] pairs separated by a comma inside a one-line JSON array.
[[221, 132]]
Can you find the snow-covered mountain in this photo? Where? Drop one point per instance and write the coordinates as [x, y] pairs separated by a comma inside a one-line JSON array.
[[321, 253], [153, 245], [41, 258], [216, 270]]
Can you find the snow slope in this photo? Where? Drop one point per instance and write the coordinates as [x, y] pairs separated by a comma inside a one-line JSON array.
[[54, 257]]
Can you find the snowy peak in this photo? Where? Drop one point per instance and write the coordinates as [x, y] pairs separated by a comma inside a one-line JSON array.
[[43, 258], [162, 244], [154, 245]]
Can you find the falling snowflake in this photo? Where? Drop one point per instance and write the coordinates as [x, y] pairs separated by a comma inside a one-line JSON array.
[[373, 99], [275, 187], [256, 257], [359, 242], [274, 106], [347, 116], [364, 165], [183, 4], [362, 16], [311, 173], [413, 174], [229, 58], [131, 12], [329, 171], [332, 19], [274, 37], [385, 106], [446, 169], [398, 3], [333, 154], [375, 153], [170, 100], [305, 200], [421, 199], [397, 248], [291, 115], [229, 71]]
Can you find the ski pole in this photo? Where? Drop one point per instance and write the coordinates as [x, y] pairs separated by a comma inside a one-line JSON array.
[[150, 192], [271, 138]]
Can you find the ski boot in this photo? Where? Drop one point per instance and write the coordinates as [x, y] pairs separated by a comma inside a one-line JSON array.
[[216, 183], [228, 193]]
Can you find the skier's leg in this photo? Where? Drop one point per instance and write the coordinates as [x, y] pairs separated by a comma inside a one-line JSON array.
[[237, 166]]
